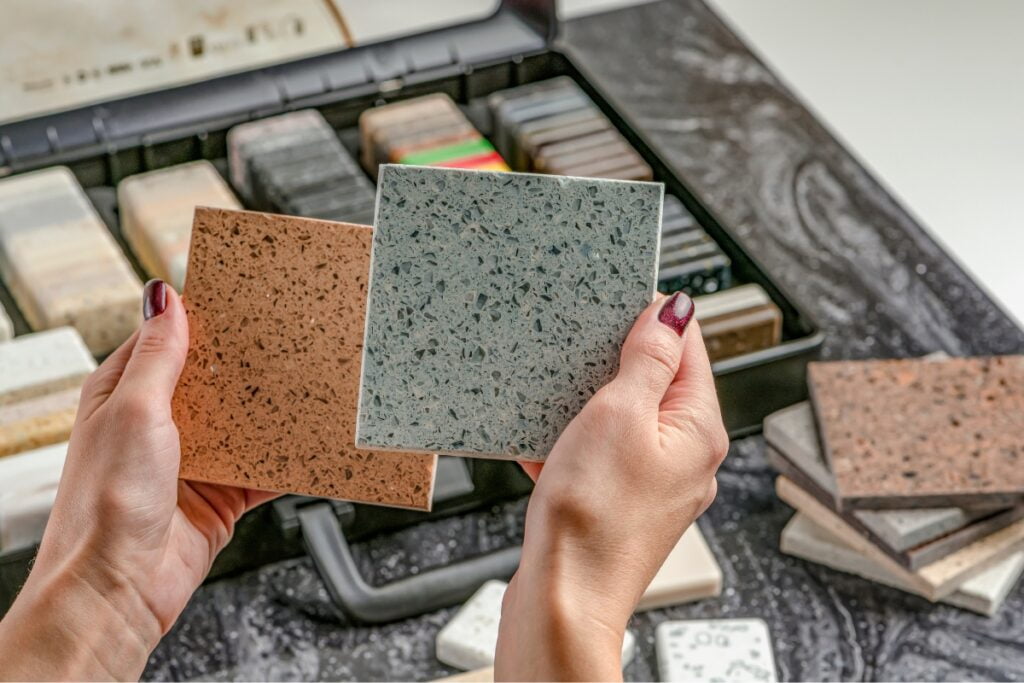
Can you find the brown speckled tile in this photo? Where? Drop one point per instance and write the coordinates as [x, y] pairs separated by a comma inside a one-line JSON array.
[[268, 395], [916, 433]]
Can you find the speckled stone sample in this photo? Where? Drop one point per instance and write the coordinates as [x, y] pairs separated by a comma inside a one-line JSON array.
[[469, 640], [715, 651], [933, 581], [689, 573], [916, 433], [792, 433], [60, 262], [156, 210], [38, 363], [28, 486], [983, 593], [38, 421], [498, 303], [6, 326], [267, 398]]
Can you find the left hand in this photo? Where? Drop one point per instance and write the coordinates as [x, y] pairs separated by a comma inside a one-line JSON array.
[[128, 542]]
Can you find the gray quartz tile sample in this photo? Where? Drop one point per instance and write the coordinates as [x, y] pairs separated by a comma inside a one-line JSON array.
[[497, 306]]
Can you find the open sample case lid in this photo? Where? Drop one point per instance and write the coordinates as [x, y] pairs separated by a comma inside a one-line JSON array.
[[192, 113]]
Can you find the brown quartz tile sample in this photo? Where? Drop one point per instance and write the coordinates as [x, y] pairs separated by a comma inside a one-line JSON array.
[[268, 395], [918, 433]]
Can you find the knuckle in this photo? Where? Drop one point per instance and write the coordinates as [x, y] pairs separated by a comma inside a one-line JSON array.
[[609, 406], [155, 343], [136, 408], [573, 509], [662, 355]]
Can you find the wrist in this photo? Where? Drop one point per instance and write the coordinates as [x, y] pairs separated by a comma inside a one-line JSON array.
[[77, 621]]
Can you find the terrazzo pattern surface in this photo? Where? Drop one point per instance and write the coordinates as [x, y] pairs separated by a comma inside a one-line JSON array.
[[268, 394], [915, 433], [878, 285], [498, 304]]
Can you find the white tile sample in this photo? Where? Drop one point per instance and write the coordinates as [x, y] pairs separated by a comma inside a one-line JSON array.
[[469, 640], [690, 572], [497, 306], [61, 263], [983, 593], [6, 326], [28, 485], [715, 650], [36, 364]]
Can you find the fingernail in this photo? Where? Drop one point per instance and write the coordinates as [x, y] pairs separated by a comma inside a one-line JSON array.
[[154, 299], [677, 312]]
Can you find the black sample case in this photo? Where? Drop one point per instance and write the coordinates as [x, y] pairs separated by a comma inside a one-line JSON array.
[[518, 44]]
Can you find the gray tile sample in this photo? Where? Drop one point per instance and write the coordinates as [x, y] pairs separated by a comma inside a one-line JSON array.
[[912, 537], [497, 305]]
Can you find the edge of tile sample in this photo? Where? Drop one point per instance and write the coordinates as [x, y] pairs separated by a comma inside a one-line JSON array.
[[941, 433], [6, 326], [40, 363], [983, 593], [268, 394], [28, 486], [689, 573], [157, 209], [457, 253], [61, 263], [715, 650], [933, 581]]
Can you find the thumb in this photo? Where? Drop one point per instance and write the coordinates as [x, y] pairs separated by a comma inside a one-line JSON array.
[[152, 371], [651, 353]]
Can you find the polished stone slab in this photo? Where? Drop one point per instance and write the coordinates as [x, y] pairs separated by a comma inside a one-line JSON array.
[[267, 397], [715, 651], [498, 304]]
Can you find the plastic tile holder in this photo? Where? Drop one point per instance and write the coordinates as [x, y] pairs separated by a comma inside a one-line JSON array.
[[518, 44]]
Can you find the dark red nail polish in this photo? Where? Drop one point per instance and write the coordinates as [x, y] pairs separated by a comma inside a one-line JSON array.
[[154, 299], [677, 312]]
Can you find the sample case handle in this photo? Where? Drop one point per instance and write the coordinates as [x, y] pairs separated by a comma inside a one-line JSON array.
[[431, 590]]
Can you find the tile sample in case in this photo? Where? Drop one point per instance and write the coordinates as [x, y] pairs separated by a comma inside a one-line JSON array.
[[60, 262], [983, 593], [690, 260], [913, 537], [6, 326], [28, 486], [737, 321], [268, 395], [933, 581], [156, 214], [41, 378], [920, 433], [715, 650], [469, 640], [690, 572], [498, 304]]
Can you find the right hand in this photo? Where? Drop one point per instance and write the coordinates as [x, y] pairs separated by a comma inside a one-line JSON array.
[[626, 478]]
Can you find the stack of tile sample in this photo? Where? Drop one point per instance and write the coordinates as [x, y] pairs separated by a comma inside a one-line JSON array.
[[424, 131], [156, 214], [737, 321], [690, 260], [295, 164], [61, 263], [554, 127], [689, 573], [914, 481], [41, 378]]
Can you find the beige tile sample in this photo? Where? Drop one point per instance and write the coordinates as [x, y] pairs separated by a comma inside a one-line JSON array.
[[689, 573], [6, 326], [156, 214], [983, 593], [934, 581], [60, 262], [41, 378], [268, 395]]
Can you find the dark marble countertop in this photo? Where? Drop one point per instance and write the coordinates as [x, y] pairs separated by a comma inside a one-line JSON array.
[[842, 248]]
